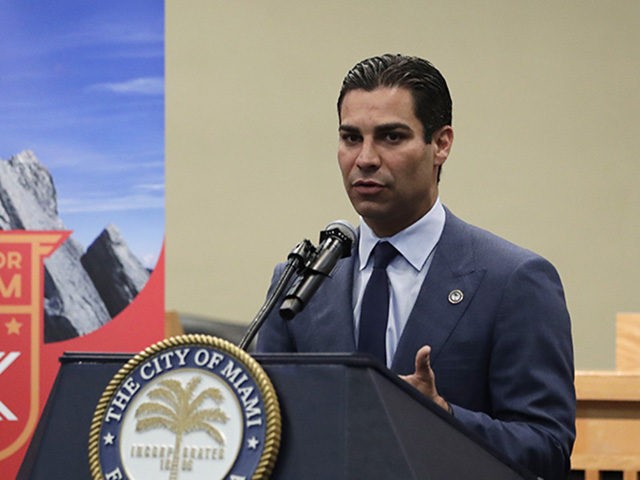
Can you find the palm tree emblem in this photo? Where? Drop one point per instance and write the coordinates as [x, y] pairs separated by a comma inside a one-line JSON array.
[[178, 409]]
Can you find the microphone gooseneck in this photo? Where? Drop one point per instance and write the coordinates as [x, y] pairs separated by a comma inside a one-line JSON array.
[[296, 260]]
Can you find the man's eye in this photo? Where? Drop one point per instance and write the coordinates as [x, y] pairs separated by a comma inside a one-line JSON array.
[[393, 137], [350, 138]]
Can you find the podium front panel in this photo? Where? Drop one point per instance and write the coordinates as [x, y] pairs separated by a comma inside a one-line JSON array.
[[343, 417]]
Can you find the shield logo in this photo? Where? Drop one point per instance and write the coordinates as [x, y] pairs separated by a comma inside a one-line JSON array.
[[22, 256]]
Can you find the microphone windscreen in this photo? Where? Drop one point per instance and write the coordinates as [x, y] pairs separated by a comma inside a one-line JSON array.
[[343, 227]]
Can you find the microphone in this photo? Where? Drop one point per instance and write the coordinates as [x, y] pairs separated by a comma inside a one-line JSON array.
[[335, 243]]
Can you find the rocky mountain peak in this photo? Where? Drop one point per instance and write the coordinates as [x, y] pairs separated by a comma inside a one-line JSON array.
[[74, 303], [27, 189], [114, 269]]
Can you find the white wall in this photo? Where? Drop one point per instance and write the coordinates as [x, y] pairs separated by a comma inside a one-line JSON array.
[[546, 116]]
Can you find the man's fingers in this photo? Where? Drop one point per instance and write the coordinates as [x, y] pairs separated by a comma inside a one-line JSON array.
[[424, 380], [423, 362]]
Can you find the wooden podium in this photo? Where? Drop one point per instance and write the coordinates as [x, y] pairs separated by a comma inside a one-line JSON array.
[[608, 412]]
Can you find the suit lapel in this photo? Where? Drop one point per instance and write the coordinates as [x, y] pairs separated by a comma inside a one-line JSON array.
[[437, 310]]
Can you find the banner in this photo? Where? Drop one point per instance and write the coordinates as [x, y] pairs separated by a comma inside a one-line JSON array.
[[81, 194]]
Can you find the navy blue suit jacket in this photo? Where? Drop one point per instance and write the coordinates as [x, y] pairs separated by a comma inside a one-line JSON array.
[[502, 357]]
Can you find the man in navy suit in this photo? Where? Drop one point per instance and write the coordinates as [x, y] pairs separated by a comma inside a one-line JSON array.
[[475, 323]]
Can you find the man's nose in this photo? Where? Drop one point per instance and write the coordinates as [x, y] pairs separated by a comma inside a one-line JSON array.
[[368, 157]]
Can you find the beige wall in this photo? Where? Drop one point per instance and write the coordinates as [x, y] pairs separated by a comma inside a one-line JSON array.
[[546, 115]]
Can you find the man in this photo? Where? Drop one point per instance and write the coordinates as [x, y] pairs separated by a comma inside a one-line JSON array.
[[474, 322]]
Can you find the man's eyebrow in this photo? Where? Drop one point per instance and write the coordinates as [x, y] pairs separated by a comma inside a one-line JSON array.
[[384, 127], [387, 127], [348, 128]]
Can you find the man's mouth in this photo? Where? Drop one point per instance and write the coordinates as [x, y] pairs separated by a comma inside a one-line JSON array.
[[367, 187]]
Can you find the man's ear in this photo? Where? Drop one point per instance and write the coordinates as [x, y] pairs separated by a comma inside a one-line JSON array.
[[442, 141]]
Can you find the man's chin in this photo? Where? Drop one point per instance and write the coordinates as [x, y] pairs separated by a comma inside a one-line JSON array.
[[371, 210], [375, 216]]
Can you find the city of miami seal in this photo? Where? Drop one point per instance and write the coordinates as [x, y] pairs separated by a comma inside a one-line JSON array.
[[189, 407]]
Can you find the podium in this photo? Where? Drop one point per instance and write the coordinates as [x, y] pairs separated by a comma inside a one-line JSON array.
[[343, 417]]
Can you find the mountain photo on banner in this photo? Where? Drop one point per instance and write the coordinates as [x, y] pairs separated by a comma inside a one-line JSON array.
[[82, 149]]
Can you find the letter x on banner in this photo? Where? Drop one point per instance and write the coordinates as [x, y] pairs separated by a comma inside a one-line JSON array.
[[28, 366]]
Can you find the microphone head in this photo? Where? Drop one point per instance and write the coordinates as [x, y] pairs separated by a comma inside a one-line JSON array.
[[344, 227], [343, 231]]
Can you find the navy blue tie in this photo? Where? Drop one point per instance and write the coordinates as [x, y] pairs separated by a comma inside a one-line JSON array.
[[375, 304]]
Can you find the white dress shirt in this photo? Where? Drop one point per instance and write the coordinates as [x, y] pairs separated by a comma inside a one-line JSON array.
[[406, 272]]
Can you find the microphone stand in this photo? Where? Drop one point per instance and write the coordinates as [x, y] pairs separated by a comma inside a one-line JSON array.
[[296, 262]]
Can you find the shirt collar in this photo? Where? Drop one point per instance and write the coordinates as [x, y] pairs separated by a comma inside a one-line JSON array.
[[415, 242]]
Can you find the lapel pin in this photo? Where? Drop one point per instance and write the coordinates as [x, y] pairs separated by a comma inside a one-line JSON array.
[[455, 296]]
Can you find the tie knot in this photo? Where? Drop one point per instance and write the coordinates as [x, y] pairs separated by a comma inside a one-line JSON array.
[[383, 253]]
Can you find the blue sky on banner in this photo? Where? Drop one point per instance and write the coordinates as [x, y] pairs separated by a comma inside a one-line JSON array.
[[82, 86]]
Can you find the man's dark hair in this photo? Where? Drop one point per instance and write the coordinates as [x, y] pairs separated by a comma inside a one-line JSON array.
[[431, 98]]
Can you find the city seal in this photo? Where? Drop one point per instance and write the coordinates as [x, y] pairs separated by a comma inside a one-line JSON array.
[[187, 408]]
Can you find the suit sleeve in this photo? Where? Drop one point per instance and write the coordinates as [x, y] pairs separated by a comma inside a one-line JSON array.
[[531, 389]]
